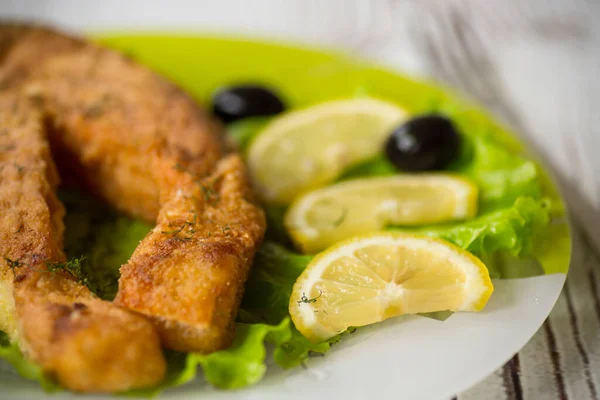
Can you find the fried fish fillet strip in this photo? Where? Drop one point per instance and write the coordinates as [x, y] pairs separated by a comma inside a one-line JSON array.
[[188, 273], [138, 142], [86, 343]]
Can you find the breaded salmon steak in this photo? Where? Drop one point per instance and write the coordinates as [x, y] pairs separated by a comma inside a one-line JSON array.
[[136, 141], [86, 343]]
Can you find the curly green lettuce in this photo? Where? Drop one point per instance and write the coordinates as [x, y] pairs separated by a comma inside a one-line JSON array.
[[101, 239], [242, 364], [511, 230], [11, 353]]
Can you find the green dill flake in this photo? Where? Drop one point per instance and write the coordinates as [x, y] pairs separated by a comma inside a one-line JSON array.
[[180, 234], [210, 195], [106, 239], [75, 267], [226, 229], [13, 264], [19, 167], [304, 299], [189, 236], [175, 231], [94, 111], [98, 107], [180, 168]]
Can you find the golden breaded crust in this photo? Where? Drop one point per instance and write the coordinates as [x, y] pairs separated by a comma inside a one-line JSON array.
[[188, 273], [138, 142], [58, 322]]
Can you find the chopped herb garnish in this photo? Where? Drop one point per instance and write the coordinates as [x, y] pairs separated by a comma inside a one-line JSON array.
[[210, 195], [75, 267], [13, 264], [94, 111], [176, 231], [187, 224], [306, 300], [180, 168], [226, 229], [19, 167], [97, 108]]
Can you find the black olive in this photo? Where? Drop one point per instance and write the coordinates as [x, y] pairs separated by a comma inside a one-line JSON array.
[[424, 143], [236, 102]]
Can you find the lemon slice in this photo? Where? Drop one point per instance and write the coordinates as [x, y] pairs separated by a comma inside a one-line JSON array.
[[371, 278], [325, 216], [309, 148]]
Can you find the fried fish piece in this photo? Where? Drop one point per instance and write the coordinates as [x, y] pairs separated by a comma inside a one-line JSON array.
[[138, 142], [188, 273], [86, 343]]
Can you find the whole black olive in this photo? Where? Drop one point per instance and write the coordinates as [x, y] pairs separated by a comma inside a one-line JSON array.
[[237, 102], [424, 143]]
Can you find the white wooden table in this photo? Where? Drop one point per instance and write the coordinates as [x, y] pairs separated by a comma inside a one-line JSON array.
[[533, 62]]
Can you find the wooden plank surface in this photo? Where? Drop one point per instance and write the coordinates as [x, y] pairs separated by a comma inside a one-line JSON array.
[[532, 62]]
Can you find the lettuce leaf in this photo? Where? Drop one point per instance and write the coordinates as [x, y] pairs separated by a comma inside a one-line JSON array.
[[297, 349], [11, 353], [267, 297], [269, 287], [240, 365], [501, 175], [242, 132], [502, 239], [243, 363], [102, 238], [511, 230]]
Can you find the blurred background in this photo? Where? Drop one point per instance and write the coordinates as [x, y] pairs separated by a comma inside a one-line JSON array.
[[534, 63]]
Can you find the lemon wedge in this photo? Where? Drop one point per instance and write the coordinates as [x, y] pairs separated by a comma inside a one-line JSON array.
[[309, 148], [325, 216], [368, 279]]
